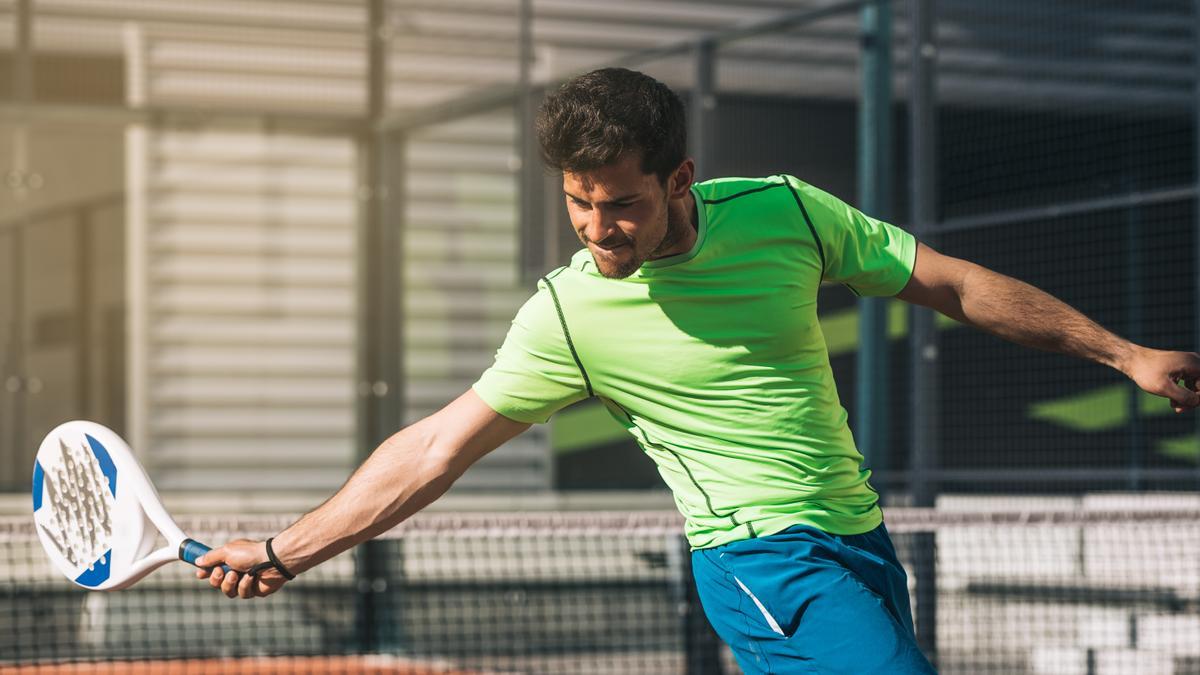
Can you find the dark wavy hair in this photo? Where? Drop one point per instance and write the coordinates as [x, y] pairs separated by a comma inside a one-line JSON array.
[[596, 118]]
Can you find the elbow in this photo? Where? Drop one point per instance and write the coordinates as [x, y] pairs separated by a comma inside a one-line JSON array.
[[971, 292], [430, 473], [941, 283], [430, 459], [444, 460], [954, 304], [441, 464], [437, 457]]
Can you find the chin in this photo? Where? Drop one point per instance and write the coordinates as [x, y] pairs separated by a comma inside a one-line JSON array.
[[618, 268]]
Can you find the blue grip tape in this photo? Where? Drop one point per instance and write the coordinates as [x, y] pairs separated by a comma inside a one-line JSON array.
[[38, 480], [191, 549]]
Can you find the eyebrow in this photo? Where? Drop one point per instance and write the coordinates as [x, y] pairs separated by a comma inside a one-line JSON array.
[[623, 198]]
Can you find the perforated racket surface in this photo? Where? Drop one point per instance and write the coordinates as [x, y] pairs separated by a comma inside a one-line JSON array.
[[97, 514]]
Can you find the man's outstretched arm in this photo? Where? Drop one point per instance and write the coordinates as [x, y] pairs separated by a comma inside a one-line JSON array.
[[403, 475], [1020, 313]]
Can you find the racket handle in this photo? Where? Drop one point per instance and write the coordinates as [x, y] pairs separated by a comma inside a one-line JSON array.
[[191, 549]]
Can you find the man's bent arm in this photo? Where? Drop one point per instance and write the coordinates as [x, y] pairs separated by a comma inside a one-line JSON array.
[[1018, 312], [404, 474]]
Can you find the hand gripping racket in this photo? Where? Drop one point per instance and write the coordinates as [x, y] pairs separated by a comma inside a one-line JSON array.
[[96, 512]]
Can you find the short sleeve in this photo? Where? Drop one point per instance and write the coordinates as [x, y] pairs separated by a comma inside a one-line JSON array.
[[534, 374], [869, 256]]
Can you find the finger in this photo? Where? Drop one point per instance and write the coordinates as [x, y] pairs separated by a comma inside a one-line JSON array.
[[218, 575], [246, 587], [213, 558], [202, 573], [1181, 397], [1191, 368], [229, 586]]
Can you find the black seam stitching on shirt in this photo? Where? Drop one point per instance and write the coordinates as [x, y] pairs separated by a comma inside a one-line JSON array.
[[556, 272], [707, 499], [813, 230], [854, 290], [742, 194], [567, 334]]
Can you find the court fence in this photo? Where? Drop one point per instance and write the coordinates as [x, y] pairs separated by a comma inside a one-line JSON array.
[[1107, 586]]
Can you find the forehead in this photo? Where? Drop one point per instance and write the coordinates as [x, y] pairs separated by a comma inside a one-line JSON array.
[[620, 178]]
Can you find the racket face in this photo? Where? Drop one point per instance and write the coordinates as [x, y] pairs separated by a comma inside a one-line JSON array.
[[86, 504]]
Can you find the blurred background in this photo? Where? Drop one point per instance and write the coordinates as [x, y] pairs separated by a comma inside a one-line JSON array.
[[257, 237]]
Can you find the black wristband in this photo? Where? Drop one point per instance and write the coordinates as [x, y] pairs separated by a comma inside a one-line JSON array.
[[278, 565]]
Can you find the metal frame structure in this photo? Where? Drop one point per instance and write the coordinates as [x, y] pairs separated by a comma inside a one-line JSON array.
[[875, 153], [924, 335], [1196, 195], [381, 128], [378, 363], [382, 135]]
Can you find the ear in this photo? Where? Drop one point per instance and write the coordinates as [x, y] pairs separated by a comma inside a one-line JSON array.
[[680, 181]]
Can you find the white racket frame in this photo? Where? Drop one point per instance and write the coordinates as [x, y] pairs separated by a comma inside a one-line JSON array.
[[137, 516]]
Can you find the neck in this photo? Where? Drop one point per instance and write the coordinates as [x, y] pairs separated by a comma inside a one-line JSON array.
[[681, 227]]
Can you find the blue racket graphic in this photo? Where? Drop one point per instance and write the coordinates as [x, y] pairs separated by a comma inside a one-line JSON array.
[[96, 512]]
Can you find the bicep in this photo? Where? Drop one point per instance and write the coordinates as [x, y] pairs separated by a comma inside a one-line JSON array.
[[936, 282], [869, 256], [467, 429]]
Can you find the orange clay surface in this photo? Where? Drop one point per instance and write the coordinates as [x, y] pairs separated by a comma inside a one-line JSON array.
[[296, 665]]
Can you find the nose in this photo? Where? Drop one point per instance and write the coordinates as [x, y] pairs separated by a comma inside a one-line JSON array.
[[598, 227]]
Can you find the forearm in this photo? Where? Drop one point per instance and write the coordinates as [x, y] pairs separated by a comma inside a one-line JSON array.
[[1018, 312], [402, 476]]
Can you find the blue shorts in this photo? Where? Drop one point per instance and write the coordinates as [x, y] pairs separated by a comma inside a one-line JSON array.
[[805, 601]]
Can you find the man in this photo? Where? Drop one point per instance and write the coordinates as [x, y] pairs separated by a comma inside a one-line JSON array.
[[691, 313]]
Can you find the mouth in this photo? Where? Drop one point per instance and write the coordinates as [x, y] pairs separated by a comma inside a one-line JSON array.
[[611, 247]]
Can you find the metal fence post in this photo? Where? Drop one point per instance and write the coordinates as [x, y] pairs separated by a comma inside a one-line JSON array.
[[924, 345], [83, 296], [23, 53], [875, 198], [703, 106], [379, 357], [1196, 230], [1134, 318], [701, 646], [537, 251], [15, 380]]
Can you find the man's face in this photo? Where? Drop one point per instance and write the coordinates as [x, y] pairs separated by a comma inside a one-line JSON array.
[[619, 213]]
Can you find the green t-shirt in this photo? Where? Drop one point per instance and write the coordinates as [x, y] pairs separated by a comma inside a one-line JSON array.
[[714, 359]]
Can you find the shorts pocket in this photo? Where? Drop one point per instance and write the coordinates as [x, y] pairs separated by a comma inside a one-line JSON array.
[[766, 614]]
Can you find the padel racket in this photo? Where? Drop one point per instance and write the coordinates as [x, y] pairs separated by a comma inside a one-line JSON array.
[[96, 512]]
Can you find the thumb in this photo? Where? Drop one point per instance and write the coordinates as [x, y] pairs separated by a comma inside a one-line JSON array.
[[1182, 396], [211, 558]]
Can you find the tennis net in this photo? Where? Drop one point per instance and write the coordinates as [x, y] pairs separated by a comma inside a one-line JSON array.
[[995, 591]]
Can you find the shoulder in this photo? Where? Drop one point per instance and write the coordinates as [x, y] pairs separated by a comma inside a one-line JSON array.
[[810, 196], [557, 286], [728, 190], [538, 313], [581, 261]]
